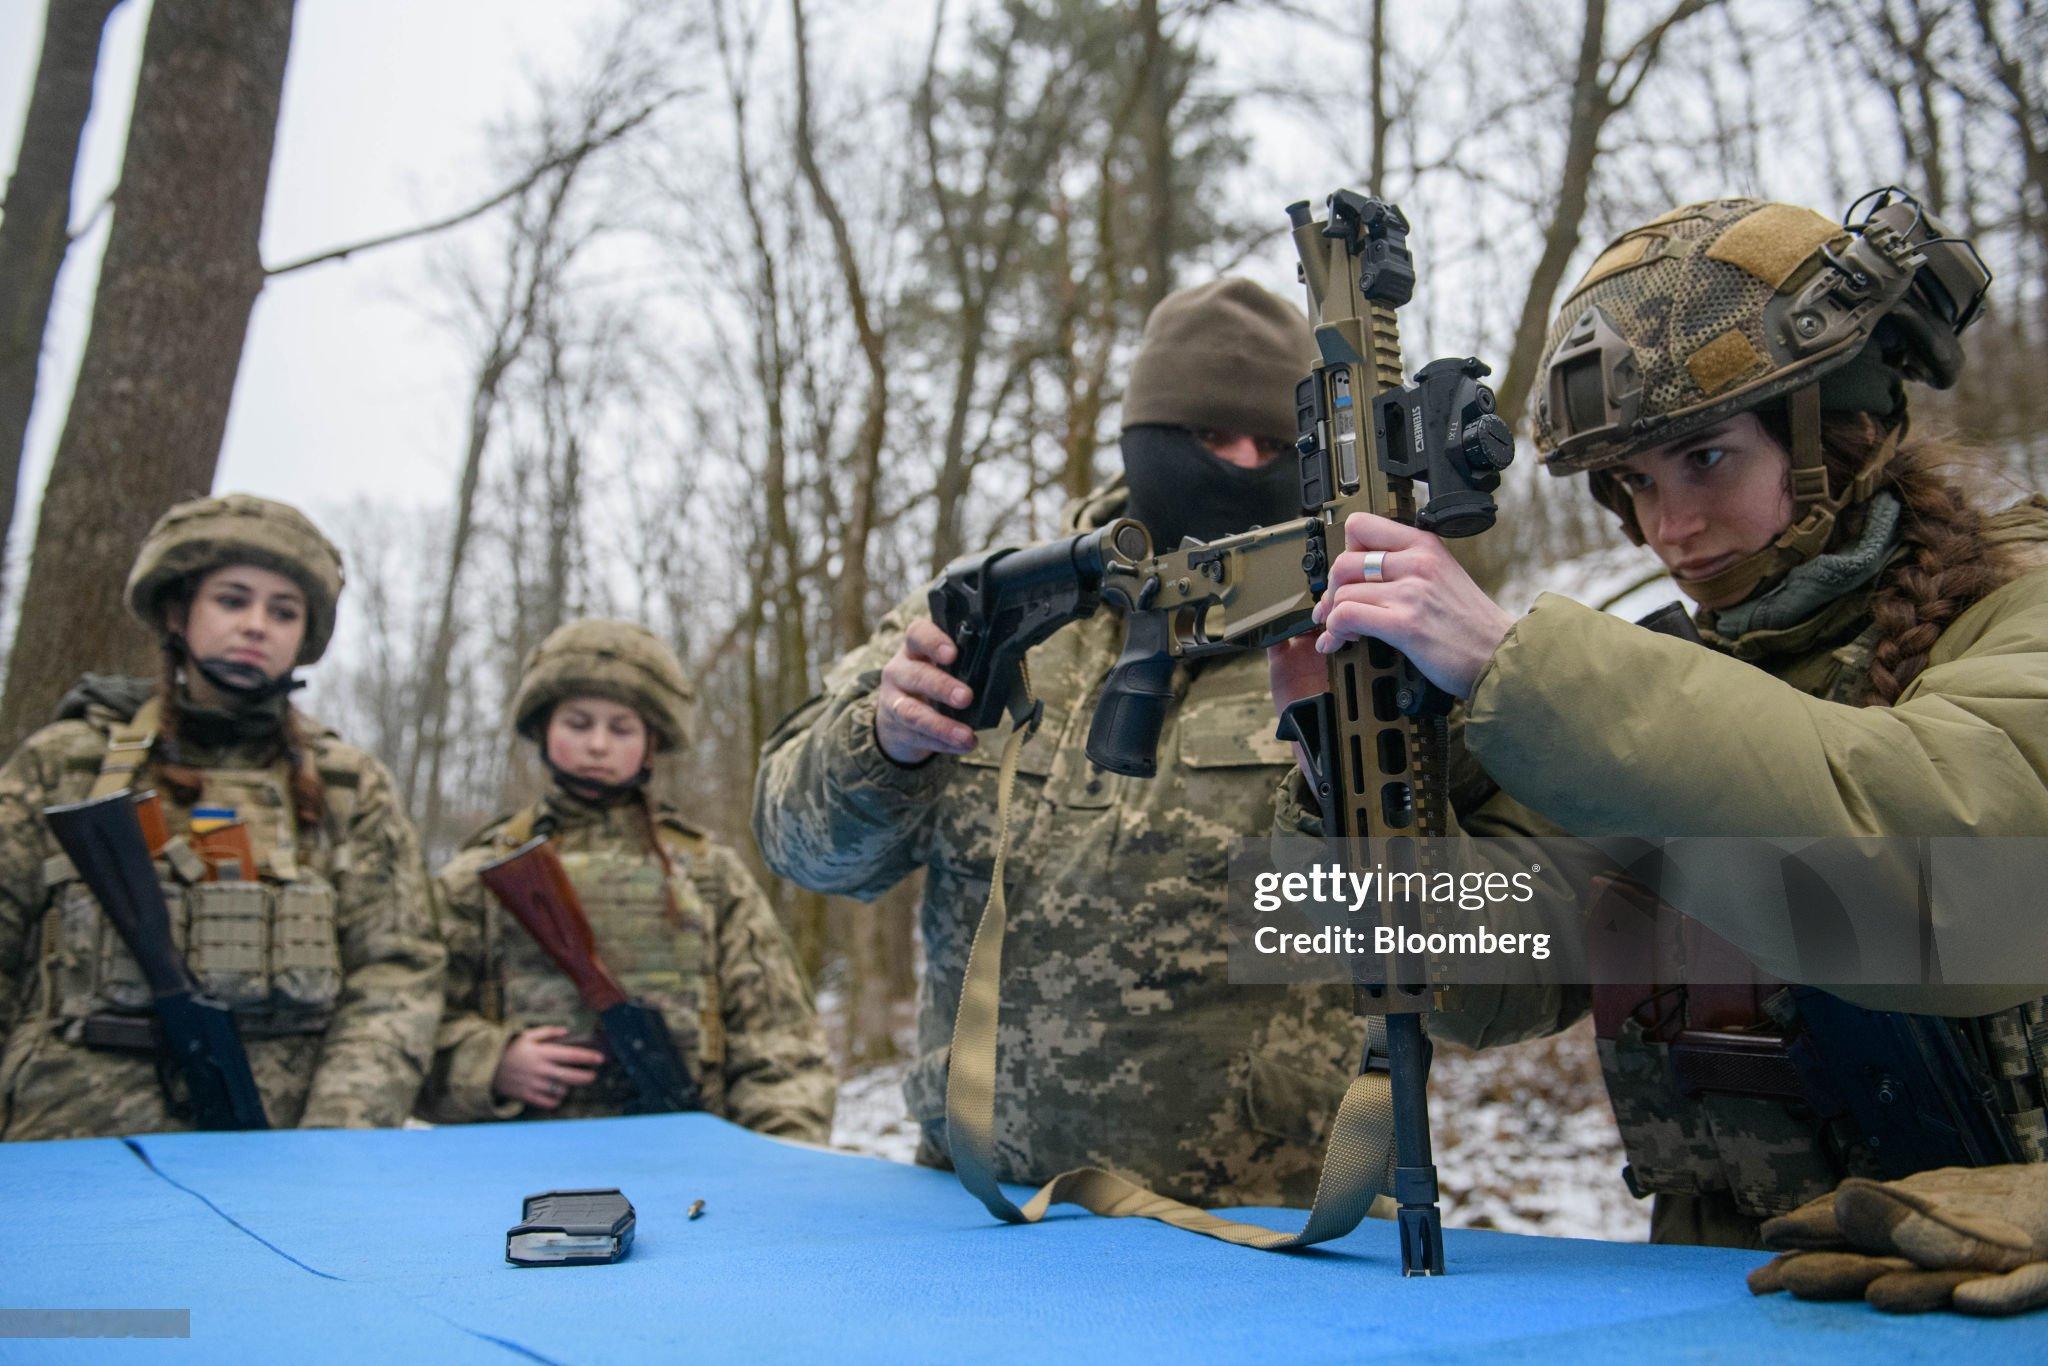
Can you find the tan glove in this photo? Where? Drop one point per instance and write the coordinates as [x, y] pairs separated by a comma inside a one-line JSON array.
[[1973, 1239]]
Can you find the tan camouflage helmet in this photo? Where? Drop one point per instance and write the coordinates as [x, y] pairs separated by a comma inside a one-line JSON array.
[[238, 528], [1724, 306], [611, 659], [1719, 307]]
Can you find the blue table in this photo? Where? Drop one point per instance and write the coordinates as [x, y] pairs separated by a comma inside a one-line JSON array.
[[390, 1245]]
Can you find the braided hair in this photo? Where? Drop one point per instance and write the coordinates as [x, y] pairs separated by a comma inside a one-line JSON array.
[[1948, 564]]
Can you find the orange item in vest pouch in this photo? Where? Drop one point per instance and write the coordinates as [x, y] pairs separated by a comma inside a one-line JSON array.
[[149, 813], [229, 855]]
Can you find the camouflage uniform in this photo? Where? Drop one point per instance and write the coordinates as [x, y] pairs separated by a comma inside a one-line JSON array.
[[325, 949], [715, 961], [677, 919], [1121, 1043], [337, 1016]]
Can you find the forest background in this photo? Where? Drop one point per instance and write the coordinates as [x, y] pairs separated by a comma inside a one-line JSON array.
[[741, 317]]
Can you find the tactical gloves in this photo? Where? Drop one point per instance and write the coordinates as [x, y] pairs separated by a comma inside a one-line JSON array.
[[1970, 1239]]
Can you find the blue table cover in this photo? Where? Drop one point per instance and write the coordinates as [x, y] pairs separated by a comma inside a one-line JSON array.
[[390, 1245]]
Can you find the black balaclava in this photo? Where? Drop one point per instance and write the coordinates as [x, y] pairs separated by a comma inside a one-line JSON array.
[[1180, 489]]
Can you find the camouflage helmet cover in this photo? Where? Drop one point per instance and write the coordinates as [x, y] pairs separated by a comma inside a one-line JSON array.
[[1719, 307], [238, 528], [616, 660]]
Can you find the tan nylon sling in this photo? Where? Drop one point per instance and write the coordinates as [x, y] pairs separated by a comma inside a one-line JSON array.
[[1356, 1166]]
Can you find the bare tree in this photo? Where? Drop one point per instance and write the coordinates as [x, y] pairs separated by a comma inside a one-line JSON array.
[[2015, 68], [542, 242], [35, 226], [147, 415], [1601, 87], [1019, 96], [864, 462]]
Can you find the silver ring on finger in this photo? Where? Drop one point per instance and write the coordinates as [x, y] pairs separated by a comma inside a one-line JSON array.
[[1372, 566]]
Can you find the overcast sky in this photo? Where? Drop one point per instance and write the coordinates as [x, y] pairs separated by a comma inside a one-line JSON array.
[[345, 380]]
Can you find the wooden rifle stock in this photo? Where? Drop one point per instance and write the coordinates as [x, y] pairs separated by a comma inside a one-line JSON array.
[[530, 883]]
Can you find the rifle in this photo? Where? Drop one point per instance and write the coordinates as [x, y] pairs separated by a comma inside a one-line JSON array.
[[530, 883], [1376, 742], [999, 604], [196, 1035]]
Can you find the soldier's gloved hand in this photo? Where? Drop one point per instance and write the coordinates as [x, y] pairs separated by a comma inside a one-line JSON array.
[[908, 725], [1973, 1239]]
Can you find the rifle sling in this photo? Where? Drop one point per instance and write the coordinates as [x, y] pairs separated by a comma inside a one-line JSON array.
[[1357, 1165]]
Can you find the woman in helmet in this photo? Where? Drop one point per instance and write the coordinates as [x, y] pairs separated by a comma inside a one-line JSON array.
[[293, 878], [677, 920], [1730, 378]]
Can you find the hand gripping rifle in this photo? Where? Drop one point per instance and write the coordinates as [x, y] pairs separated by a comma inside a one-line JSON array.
[[1376, 740], [196, 1036], [531, 884]]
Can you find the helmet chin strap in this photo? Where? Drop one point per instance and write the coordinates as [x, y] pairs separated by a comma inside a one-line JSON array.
[[243, 684], [589, 790], [1814, 510]]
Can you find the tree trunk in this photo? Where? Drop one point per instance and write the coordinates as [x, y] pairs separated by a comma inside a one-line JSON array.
[[849, 612], [1158, 252], [1376, 93], [1926, 93], [169, 319], [949, 520], [35, 227], [423, 772], [1589, 113]]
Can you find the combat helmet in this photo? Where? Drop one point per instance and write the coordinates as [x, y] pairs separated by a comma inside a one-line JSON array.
[[1722, 307], [237, 528], [611, 659]]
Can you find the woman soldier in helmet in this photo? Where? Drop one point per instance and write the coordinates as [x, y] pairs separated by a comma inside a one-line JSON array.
[[677, 920], [294, 881], [1729, 377]]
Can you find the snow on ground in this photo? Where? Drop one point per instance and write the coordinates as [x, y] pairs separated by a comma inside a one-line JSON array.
[[1526, 1143], [871, 1117]]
